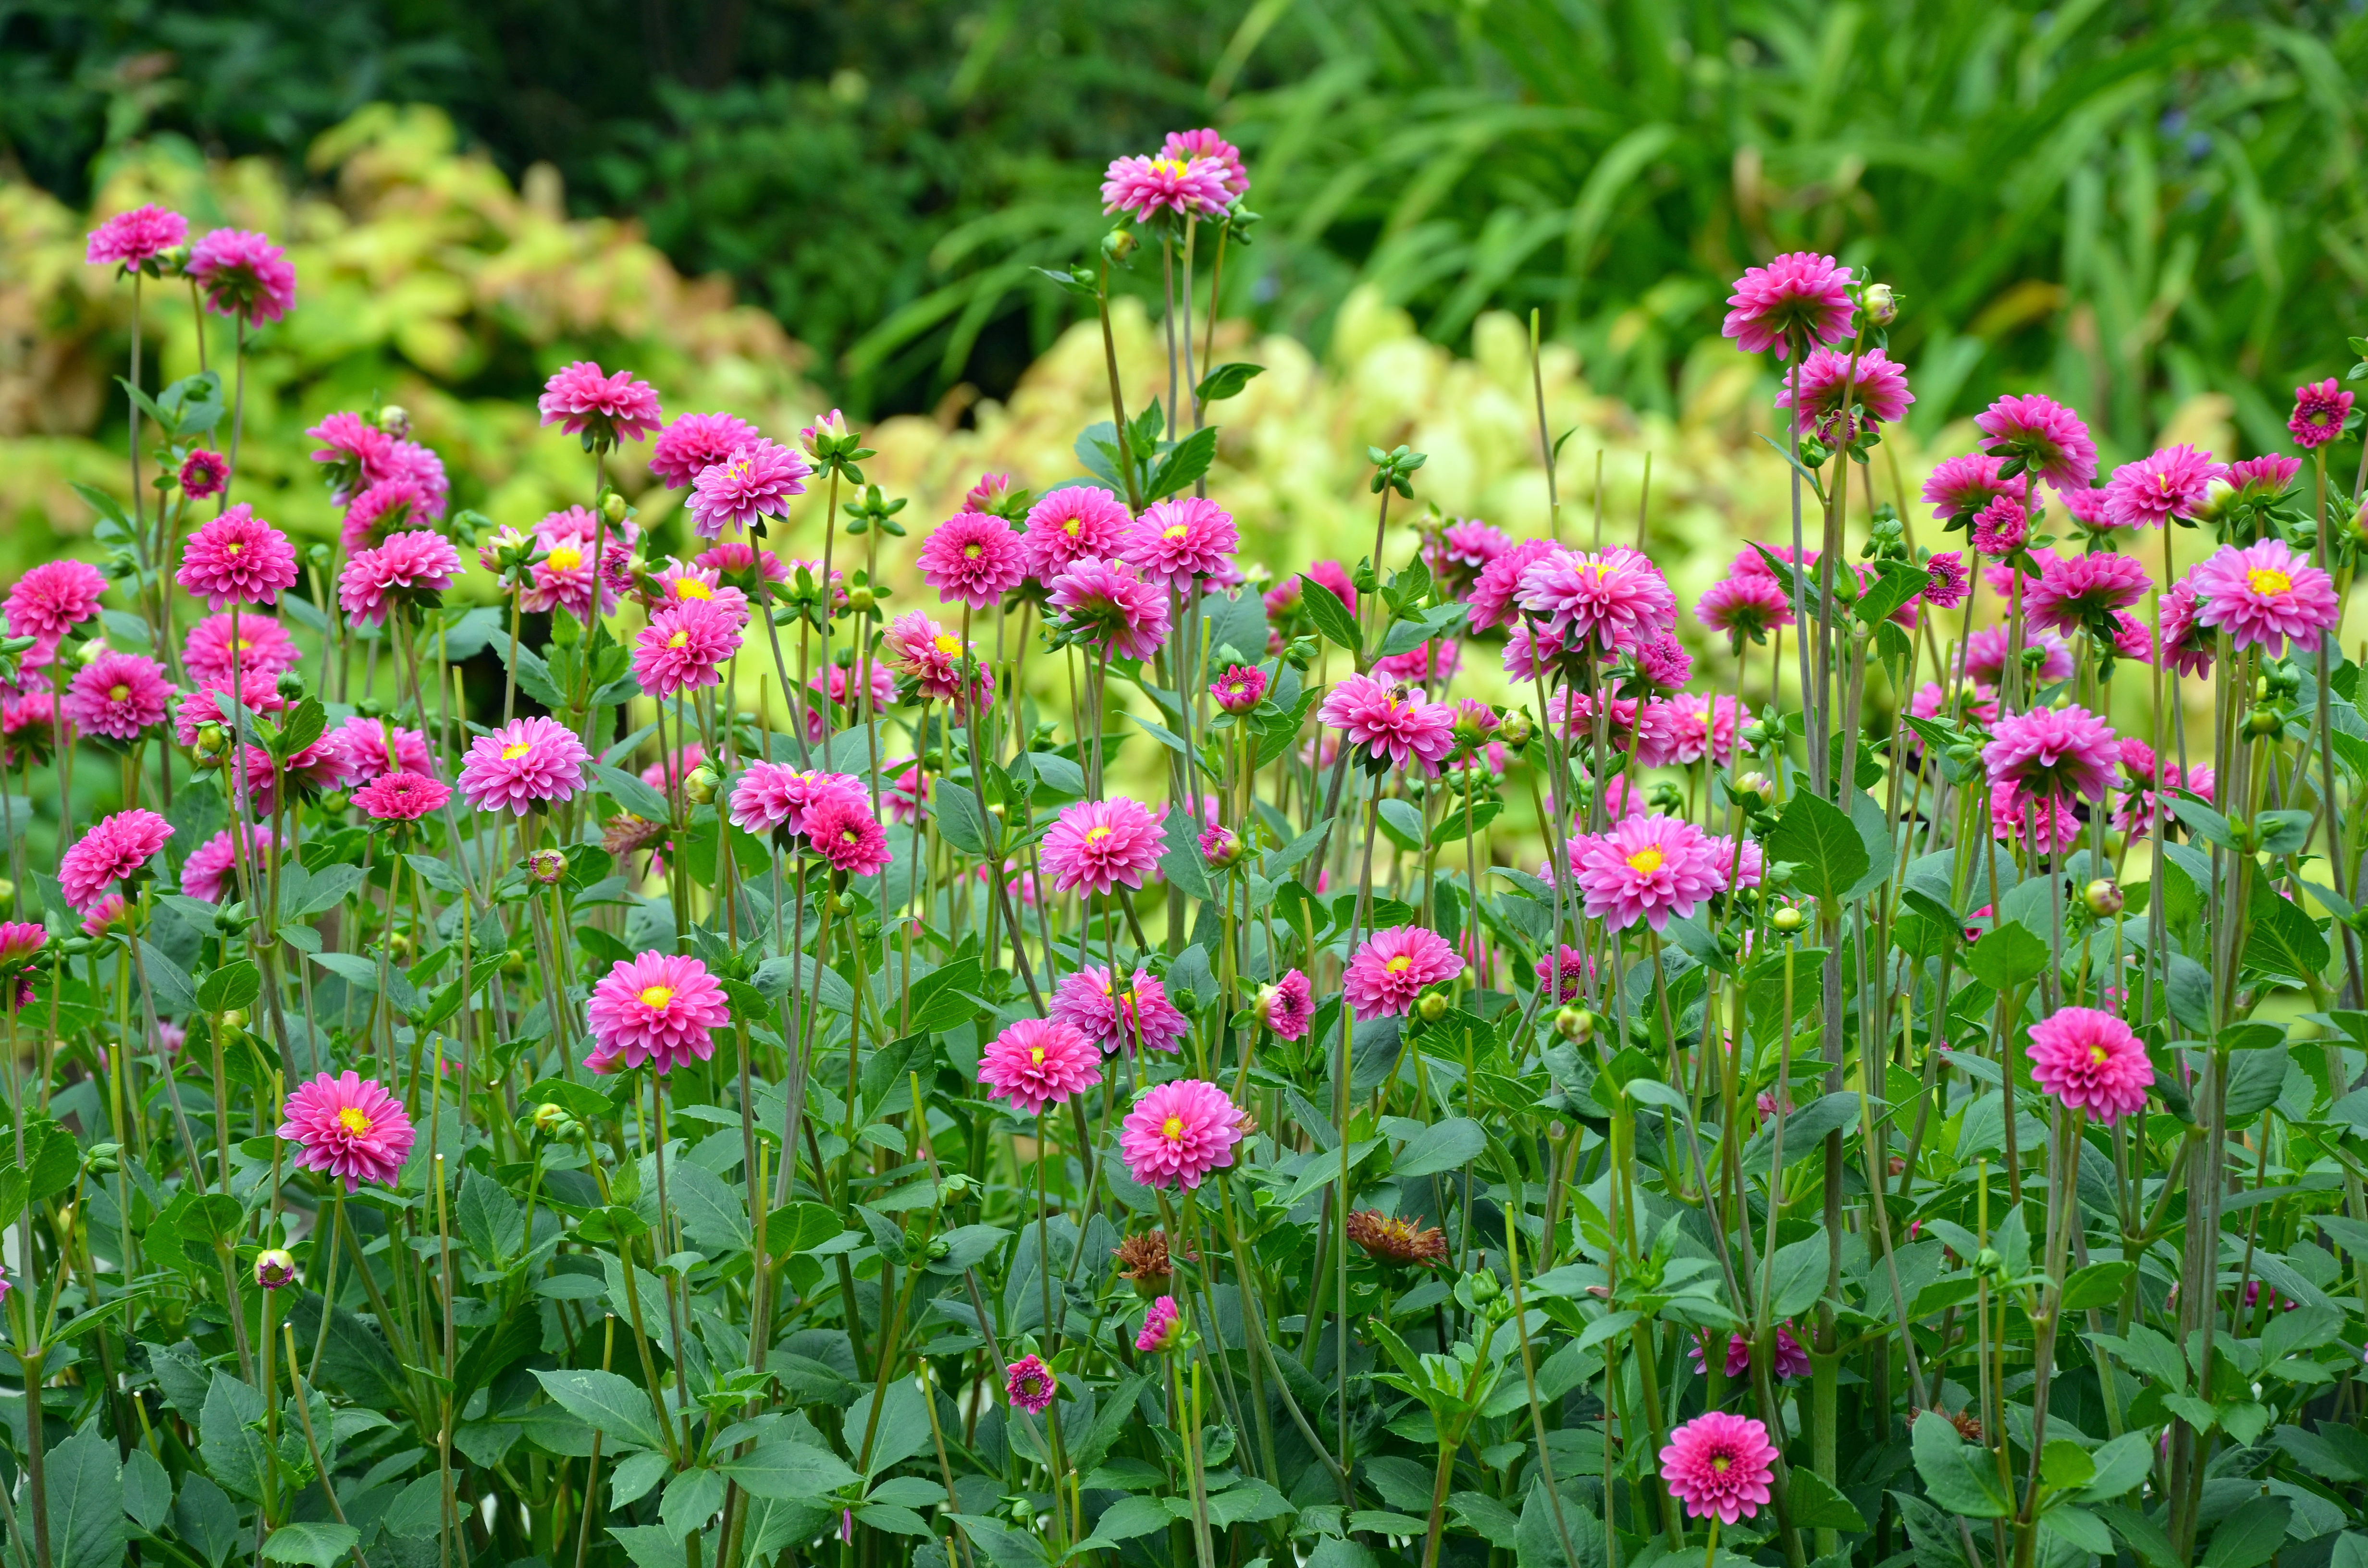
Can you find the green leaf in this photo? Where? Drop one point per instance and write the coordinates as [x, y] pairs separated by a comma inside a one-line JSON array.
[[147, 1490], [2282, 938], [959, 822], [712, 1215], [2119, 1465], [2250, 1535], [206, 1519], [231, 1449], [235, 984], [692, 1498], [1959, 1478], [1443, 1145], [488, 1217], [1797, 1276], [2011, 954], [1125, 1519], [85, 1502], [1183, 465], [320, 1545], [2066, 1465], [1226, 380], [1460, 824], [2254, 1080], [785, 1468], [1402, 825], [1823, 845], [1817, 1505], [2099, 1285], [1331, 616], [605, 1403], [629, 792]]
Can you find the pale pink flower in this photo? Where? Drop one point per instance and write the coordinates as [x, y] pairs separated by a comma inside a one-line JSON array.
[[1389, 726], [1163, 1328], [1039, 1061], [1074, 522], [2049, 438], [604, 409], [1288, 1007], [1745, 607], [842, 829], [409, 568], [1797, 295], [1095, 846], [2157, 490], [2321, 408], [401, 797], [132, 240], [1030, 1385], [243, 274], [972, 558], [347, 1127], [1393, 967], [1181, 541], [237, 558], [1179, 1132], [1213, 148], [755, 482], [1104, 605], [695, 442], [525, 763], [1140, 1017], [53, 599], [117, 694], [1143, 188], [1960, 486], [658, 1008], [772, 796], [2076, 591], [1645, 868], [2090, 1060], [1465, 548], [116, 848], [2264, 594], [1871, 381], [684, 647]]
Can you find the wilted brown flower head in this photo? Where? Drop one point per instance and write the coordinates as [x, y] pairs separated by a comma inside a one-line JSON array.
[[626, 834], [1144, 1258], [1396, 1241]]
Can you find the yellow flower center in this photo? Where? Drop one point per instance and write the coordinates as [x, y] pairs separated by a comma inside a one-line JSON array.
[[679, 639], [1096, 835], [656, 995], [1036, 1054], [2097, 1055], [242, 645], [1174, 533], [949, 643], [1720, 1465], [1645, 862], [692, 589], [1071, 527], [515, 750], [1172, 1130], [973, 552], [118, 692], [352, 1119], [2266, 580], [566, 558], [1399, 964], [1174, 168]]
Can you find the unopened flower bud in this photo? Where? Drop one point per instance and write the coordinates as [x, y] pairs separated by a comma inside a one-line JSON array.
[[2264, 722], [1755, 784], [395, 420], [334, 802], [1433, 1006], [103, 1159], [8, 892], [274, 1267], [1788, 919], [210, 740], [861, 600], [1119, 245], [2103, 898], [291, 685], [699, 785], [89, 653], [1484, 1285], [1516, 731], [612, 507], [230, 1021], [1575, 1023], [1882, 304], [545, 867]]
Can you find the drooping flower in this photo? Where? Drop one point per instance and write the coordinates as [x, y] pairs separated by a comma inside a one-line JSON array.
[[132, 240], [237, 558], [1214, 148], [243, 273], [2052, 752], [116, 848], [2000, 527], [1566, 973], [1163, 1328], [20, 940], [1962, 487], [1391, 1239], [1719, 1466], [117, 694], [604, 409], [754, 483], [1746, 607], [1179, 1132], [53, 599], [1607, 601], [2048, 438], [658, 1008], [1240, 689], [204, 872], [1490, 600], [1287, 1006], [2090, 1060], [263, 648], [2264, 594], [1095, 846], [1073, 523], [1180, 541], [111, 913], [1832, 381], [347, 1127], [1393, 967], [2321, 408], [1140, 1017], [1039, 1061], [2077, 591], [972, 558], [1944, 586], [1389, 724], [1645, 868], [685, 646], [526, 763], [842, 829], [408, 569], [1029, 1384], [1144, 187], [204, 475], [401, 797], [1798, 295], [2156, 490], [696, 441]]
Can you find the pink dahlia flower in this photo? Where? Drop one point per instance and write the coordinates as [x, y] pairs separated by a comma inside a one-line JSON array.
[[2025, 821], [2049, 438], [1095, 846], [372, 748], [2188, 643], [842, 829], [1143, 188], [1792, 1360], [836, 688], [1663, 663], [1703, 727], [243, 274], [1985, 652], [2007, 580], [1466, 547], [1104, 605], [1719, 1466], [1163, 1328], [111, 913], [132, 240], [677, 583], [1288, 1007], [1420, 664], [695, 442], [972, 558], [2000, 527], [424, 470], [204, 475], [1141, 1017], [53, 599], [741, 563], [772, 796], [2053, 752], [564, 580], [1389, 724], [684, 647], [1029, 1384], [1492, 592], [2156, 490], [1611, 600], [2264, 478], [2091, 1062], [1566, 973], [117, 694], [755, 482], [354, 452], [1797, 295], [940, 666], [1073, 523], [115, 848], [1039, 1061], [258, 694], [1745, 607], [1208, 146], [1964, 699], [1962, 487], [526, 763], [604, 409], [1393, 967], [2321, 408], [383, 508], [995, 491], [401, 797], [1241, 688], [1645, 868], [263, 648], [1944, 586], [348, 1126], [1179, 1132], [1177, 542], [2262, 595], [406, 568], [657, 1008], [2077, 591], [1832, 381], [237, 558], [204, 872]]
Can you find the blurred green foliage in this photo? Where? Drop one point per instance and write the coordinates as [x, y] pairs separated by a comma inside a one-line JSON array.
[[2129, 204]]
